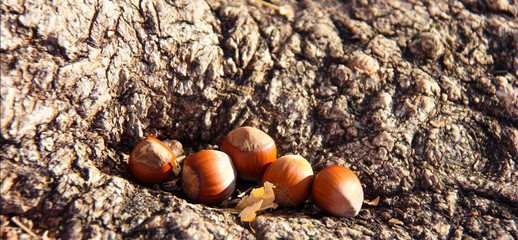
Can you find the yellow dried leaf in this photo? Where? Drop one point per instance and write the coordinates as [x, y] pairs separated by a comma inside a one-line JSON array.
[[259, 199], [264, 193], [248, 214], [373, 202], [268, 196], [249, 200]]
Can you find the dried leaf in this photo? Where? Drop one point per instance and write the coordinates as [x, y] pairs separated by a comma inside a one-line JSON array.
[[264, 193], [373, 202], [259, 199], [255, 196], [248, 214], [177, 167]]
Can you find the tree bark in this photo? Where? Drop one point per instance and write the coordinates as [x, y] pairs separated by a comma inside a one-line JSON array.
[[418, 98]]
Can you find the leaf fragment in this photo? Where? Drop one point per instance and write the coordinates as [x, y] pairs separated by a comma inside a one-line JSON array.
[[248, 214], [258, 200], [373, 202]]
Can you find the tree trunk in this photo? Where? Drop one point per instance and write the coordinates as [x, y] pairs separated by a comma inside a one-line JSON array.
[[418, 98]]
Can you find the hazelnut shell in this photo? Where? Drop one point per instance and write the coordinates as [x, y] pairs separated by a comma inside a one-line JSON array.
[[251, 151], [292, 176], [338, 191], [208, 177], [151, 162]]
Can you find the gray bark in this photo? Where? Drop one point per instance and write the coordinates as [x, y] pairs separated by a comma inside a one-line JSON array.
[[419, 98]]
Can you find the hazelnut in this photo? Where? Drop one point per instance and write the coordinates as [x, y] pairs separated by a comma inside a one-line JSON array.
[[251, 151], [208, 177], [338, 191], [292, 176], [151, 162]]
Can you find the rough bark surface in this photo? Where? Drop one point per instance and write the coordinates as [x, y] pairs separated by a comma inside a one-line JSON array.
[[419, 98]]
